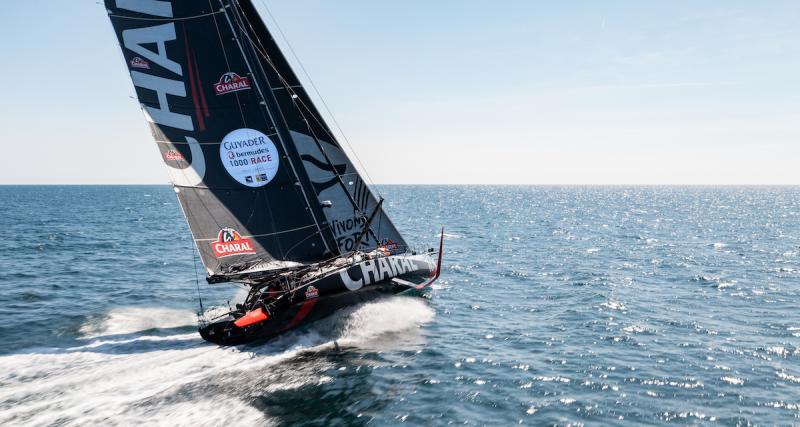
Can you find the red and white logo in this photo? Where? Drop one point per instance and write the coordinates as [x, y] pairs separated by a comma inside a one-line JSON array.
[[140, 63], [173, 156], [230, 243], [312, 292], [231, 82]]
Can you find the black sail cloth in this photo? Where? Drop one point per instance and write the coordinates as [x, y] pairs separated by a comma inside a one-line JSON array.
[[251, 159], [334, 176]]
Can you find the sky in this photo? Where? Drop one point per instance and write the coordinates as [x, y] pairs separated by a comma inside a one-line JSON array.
[[451, 91]]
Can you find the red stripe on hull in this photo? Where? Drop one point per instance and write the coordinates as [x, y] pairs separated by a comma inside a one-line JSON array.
[[305, 309]]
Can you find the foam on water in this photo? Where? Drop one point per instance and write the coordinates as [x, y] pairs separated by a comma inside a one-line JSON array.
[[392, 315], [128, 320], [163, 380], [533, 325]]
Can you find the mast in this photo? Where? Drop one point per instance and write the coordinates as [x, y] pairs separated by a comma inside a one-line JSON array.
[[260, 178], [323, 158], [248, 199], [282, 129], [285, 128]]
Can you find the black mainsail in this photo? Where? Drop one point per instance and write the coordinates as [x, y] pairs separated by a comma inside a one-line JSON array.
[[334, 175], [260, 177]]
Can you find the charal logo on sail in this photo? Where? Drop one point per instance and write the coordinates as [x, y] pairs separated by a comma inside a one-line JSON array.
[[138, 62], [230, 243], [173, 156], [389, 244], [231, 82], [312, 292]]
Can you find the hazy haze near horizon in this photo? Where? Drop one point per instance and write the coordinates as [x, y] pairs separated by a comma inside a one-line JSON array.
[[474, 92]]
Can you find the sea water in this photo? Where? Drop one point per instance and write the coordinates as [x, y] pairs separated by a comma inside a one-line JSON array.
[[557, 305]]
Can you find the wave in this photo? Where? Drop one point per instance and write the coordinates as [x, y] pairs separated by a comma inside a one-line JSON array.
[[120, 379], [129, 320], [383, 317]]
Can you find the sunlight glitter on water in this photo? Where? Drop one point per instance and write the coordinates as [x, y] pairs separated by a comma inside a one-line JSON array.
[[529, 323]]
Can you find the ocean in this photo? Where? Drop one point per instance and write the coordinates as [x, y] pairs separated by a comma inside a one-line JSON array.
[[557, 305]]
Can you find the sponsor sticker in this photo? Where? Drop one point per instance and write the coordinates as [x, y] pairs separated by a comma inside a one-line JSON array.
[[138, 62], [250, 157], [230, 242], [312, 292], [173, 156], [231, 82], [389, 244]]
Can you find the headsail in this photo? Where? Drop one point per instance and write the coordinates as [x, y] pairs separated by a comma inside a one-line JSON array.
[[247, 198], [335, 177]]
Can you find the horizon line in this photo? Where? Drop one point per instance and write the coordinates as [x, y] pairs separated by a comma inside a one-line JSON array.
[[429, 185]]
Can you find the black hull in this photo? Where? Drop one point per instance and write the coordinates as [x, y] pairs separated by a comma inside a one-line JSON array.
[[225, 333], [325, 295]]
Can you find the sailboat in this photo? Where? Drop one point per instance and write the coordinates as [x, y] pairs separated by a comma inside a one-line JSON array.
[[271, 198]]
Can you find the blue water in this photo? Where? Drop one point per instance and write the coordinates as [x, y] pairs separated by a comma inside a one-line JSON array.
[[557, 306]]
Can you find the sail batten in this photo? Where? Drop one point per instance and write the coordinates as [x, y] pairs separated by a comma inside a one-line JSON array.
[[323, 156], [266, 235], [231, 173], [276, 115], [259, 176]]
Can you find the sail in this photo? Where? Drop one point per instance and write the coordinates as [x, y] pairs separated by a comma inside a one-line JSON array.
[[240, 179], [336, 181]]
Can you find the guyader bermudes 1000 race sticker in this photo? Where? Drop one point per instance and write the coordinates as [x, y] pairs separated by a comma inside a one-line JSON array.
[[250, 157]]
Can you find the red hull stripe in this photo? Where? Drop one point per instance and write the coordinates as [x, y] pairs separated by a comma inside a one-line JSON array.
[[305, 309]]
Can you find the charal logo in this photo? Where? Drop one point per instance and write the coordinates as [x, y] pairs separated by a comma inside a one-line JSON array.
[[312, 292], [230, 243], [389, 244], [140, 63], [173, 156], [231, 82]]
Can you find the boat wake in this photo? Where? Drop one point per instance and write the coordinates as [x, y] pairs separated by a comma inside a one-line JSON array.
[[124, 373], [129, 320]]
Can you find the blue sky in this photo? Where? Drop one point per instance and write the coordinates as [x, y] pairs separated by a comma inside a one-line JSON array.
[[446, 91]]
